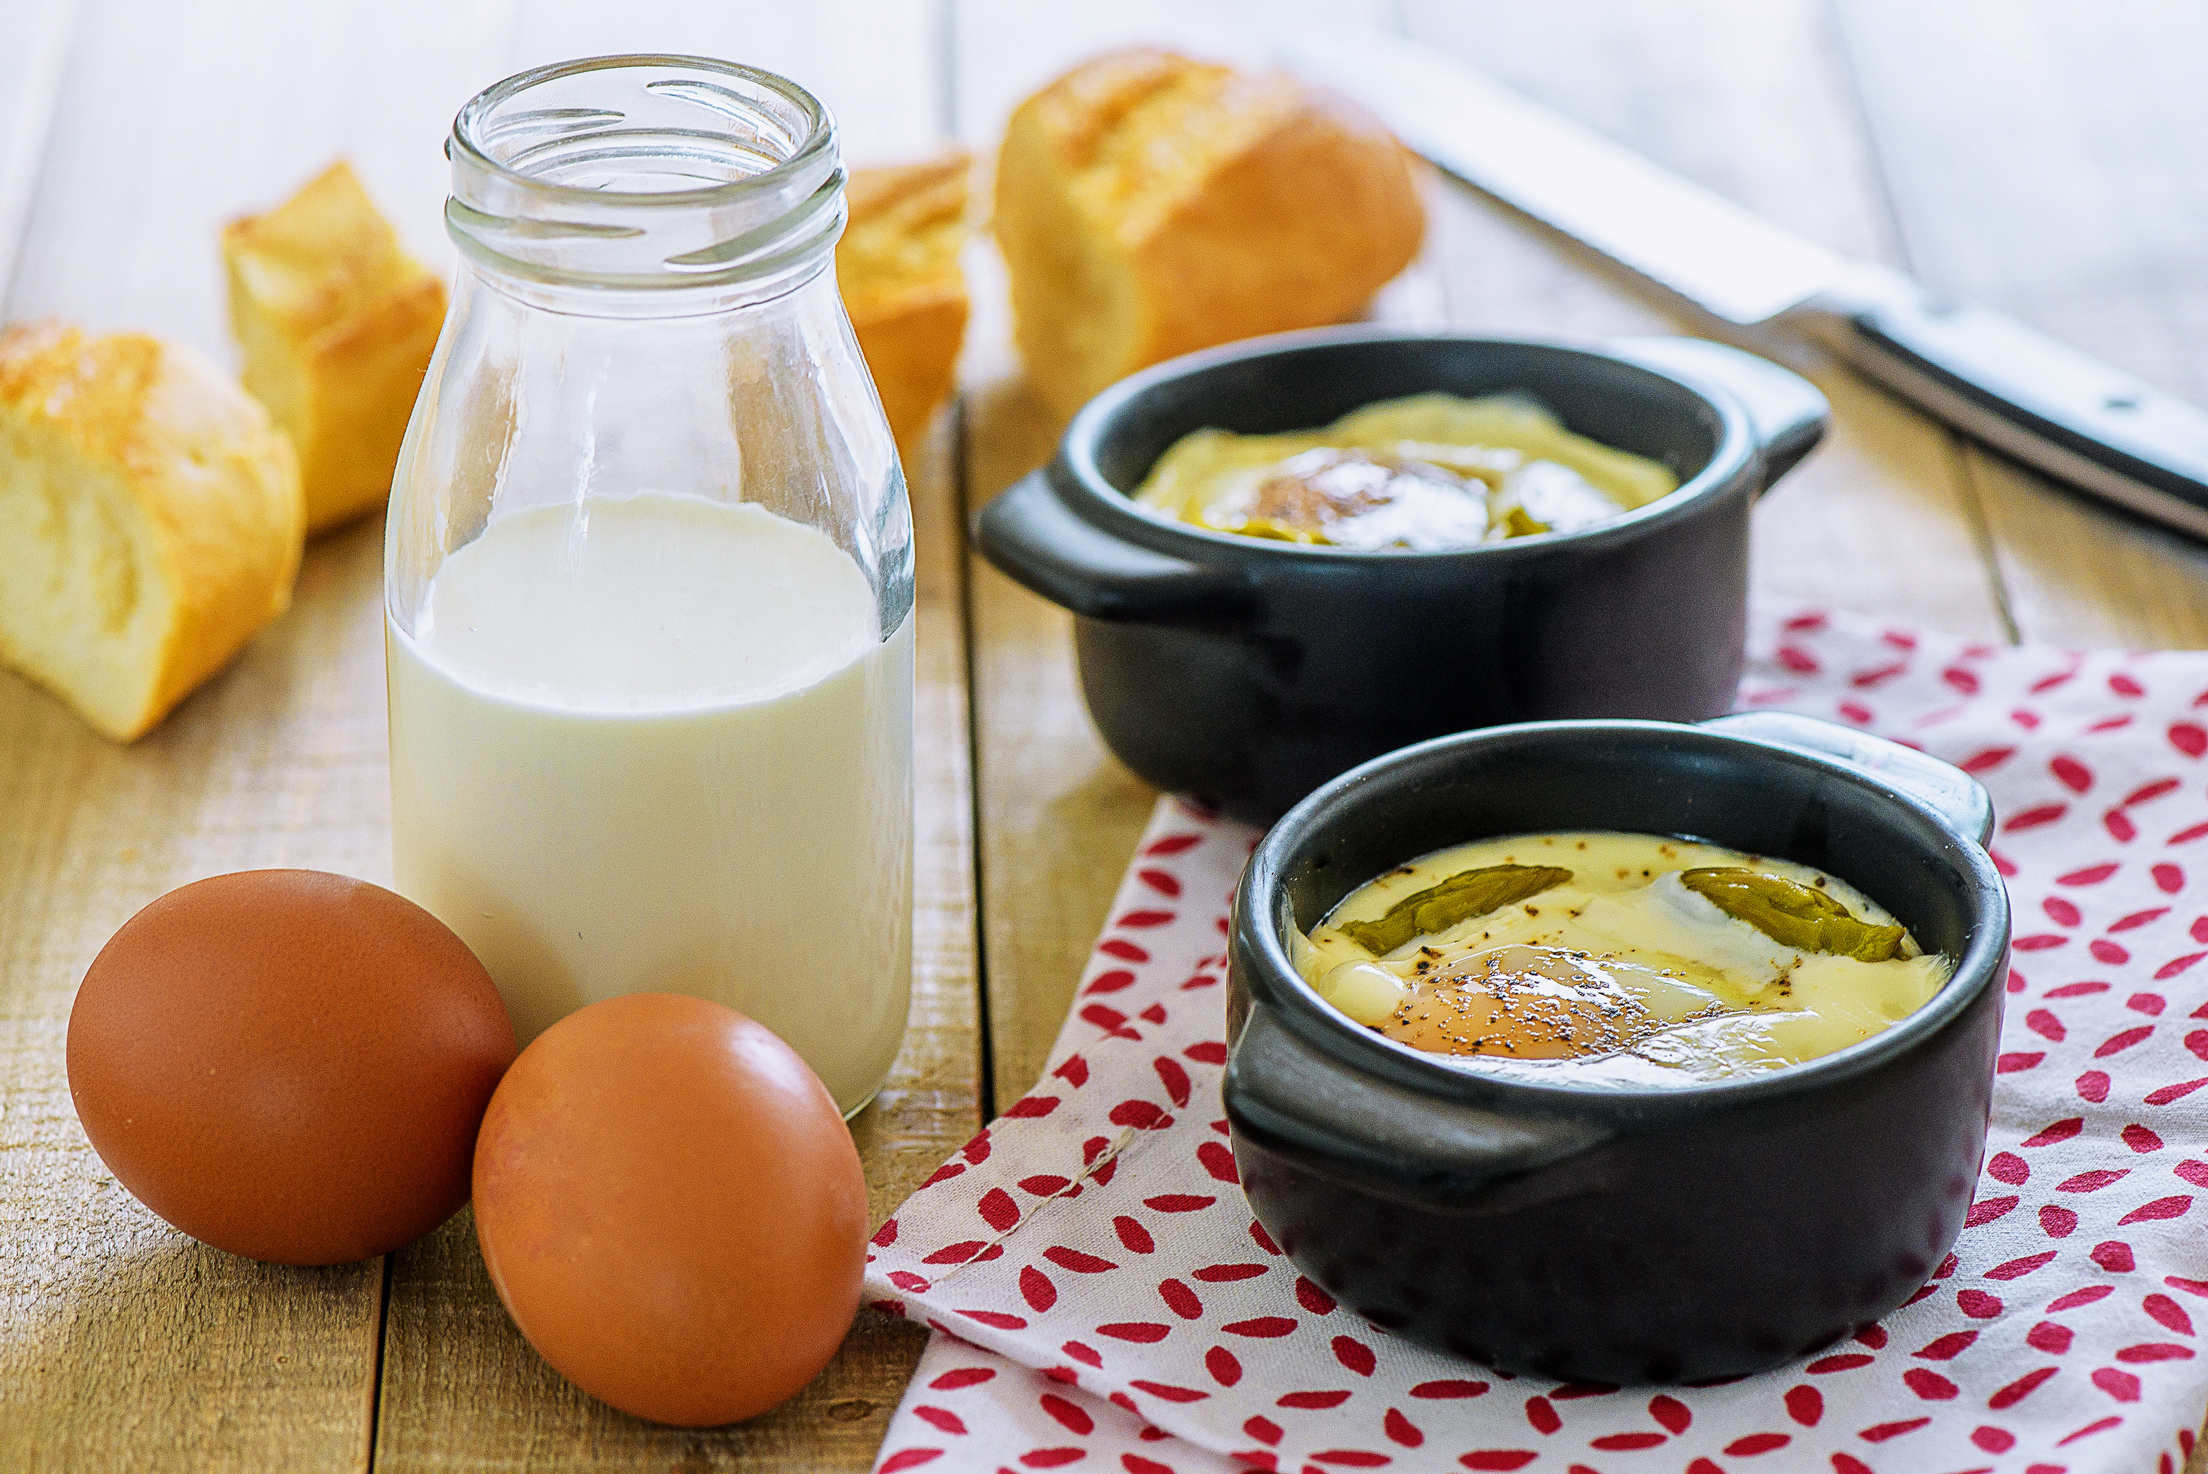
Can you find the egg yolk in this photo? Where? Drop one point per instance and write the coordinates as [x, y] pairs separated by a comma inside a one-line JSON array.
[[1521, 1001]]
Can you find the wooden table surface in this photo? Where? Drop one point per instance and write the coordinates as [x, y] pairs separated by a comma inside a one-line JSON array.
[[2048, 158]]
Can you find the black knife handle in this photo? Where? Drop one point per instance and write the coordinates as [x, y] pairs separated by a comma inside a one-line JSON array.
[[2049, 406]]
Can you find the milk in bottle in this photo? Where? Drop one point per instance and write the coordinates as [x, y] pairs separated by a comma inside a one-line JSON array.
[[648, 585]]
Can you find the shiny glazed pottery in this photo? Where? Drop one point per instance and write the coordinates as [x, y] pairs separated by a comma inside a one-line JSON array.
[[1607, 1234], [1246, 672]]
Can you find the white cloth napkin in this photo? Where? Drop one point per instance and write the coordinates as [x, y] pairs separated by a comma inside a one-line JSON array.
[[1103, 1300]]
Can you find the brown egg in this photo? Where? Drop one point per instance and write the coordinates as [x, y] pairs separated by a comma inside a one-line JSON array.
[[672, 1209], [287, 1064]]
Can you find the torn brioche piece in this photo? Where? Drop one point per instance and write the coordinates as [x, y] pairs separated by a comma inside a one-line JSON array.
[[337, 323], [1149, 205], [897, 266], [150, 520]]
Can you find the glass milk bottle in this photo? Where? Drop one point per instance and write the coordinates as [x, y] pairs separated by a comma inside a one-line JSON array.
[[648, 578]]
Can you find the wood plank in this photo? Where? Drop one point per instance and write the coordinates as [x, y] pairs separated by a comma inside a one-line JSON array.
[[34, 55], [124, 1344], [875, 63], [1885, 518], [176, 119], [461, 1389], [1880, 518], [2080, 574], [2053, 163], [1057, 814]]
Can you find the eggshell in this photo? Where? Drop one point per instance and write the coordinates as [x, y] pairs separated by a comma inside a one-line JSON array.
[[672, 1209], [287, 1064]]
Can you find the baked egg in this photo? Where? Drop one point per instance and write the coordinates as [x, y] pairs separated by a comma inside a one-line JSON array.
[[1625, 959]]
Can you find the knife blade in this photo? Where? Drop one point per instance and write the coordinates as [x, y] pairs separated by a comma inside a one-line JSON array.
[[2023, 393]]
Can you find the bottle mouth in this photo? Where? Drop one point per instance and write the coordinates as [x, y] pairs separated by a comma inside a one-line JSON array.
[[645, 172]]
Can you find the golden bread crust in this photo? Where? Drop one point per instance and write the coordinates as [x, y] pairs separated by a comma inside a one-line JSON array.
[[197, 494], [367, 372], [337, 323], [1149, 205], [898, 269]]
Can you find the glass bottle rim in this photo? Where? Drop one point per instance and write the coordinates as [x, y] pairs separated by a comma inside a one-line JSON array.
[[820, 135], [560, 181]]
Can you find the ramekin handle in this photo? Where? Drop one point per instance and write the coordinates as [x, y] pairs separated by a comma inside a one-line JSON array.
[[1786, 412], [1959, 799], [1032, 535], [1368, 1134]]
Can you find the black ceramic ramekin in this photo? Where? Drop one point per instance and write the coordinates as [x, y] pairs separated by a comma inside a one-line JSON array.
[[1247, 672], [1608, 1235]]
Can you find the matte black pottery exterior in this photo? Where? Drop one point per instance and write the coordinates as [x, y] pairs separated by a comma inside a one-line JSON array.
[[1610, 1235], [1247, 672]]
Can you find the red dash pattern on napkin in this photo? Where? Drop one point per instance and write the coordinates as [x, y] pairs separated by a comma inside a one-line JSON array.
[[1102, 1298]]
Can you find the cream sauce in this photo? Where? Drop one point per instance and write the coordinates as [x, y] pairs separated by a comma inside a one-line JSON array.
[[1425, 473], [1620, 974]]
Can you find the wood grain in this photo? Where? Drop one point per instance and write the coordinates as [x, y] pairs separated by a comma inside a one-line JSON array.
[[2049, 160], [123, 1345], [34, 56], [461, 1389], [126, 1345], [172, 119], [2053, 163], [1881, 517], [877, 64], [1057, 815]]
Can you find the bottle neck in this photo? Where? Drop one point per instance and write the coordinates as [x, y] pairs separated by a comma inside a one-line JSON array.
[[560, 293], [645, 186]]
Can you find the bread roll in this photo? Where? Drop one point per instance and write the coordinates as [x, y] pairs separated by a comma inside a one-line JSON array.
[[337, 323], [1149, 205], [897, 266], [150, 520]]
